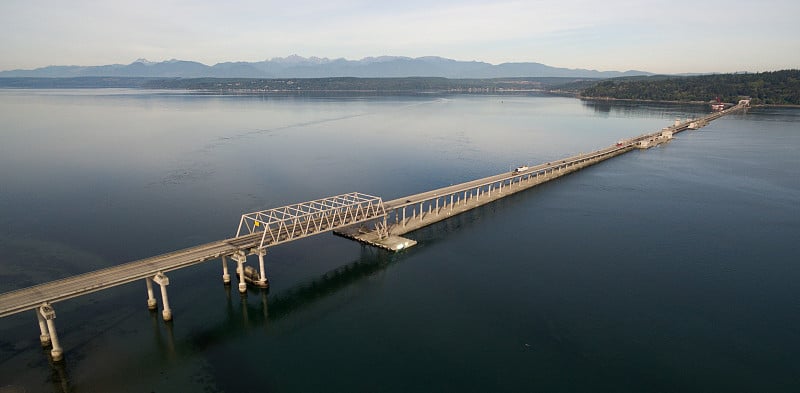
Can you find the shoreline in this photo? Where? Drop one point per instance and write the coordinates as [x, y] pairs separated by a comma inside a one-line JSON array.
[[682, 102]]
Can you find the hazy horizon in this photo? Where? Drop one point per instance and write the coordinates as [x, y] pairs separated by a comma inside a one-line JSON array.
[[656, 36], [297, 56]]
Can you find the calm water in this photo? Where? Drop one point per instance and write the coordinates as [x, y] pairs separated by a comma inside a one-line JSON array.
[[672, 269]]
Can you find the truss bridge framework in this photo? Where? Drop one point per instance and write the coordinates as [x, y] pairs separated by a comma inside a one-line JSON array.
[[292, 222]]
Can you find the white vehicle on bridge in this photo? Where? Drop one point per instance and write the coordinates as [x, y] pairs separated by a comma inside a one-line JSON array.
[[522, 168]]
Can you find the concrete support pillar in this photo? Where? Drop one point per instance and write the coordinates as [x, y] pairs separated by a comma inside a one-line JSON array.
[[162, 280], [262, 275], [404, 216], [226, 277], [240, 258], [437, 206], [421, 210], [151, 299], [44, 335], [49, 314], [451, 201]]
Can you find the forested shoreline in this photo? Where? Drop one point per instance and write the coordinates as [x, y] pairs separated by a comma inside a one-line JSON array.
[[765, 88]]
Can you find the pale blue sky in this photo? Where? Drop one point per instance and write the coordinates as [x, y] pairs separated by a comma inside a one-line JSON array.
[[652, 35]]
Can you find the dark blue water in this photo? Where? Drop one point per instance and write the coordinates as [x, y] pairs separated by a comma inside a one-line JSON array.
[[671, 269]]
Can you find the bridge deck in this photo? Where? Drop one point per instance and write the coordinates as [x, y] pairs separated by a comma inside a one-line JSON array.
[[66, 288]]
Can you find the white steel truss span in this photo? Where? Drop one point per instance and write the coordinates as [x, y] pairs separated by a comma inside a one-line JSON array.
[[292, 222]]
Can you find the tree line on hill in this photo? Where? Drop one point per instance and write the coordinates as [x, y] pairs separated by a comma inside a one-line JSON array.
[[350, 84], [299, 85], [771, 88]]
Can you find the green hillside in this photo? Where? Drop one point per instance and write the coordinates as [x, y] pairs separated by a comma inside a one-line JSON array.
[[777, 88]]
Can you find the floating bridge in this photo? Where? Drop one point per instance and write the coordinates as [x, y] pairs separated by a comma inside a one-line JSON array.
[[358, 216]]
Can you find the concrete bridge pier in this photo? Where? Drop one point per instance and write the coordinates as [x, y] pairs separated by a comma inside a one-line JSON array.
[[262, 276], [44, 334], [47, 312], [226, 278], [240, 259], [162, 280], [151, 299]]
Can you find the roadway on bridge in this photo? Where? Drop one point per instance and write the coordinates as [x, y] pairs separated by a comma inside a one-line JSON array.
[[444, 191], [67, 288]]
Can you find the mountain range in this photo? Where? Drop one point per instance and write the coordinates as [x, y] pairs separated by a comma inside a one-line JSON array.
[[314, 67]]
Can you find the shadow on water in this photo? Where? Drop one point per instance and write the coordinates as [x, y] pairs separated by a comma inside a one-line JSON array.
[[166, 342], [58, 374], [372, 261], [270, 309]]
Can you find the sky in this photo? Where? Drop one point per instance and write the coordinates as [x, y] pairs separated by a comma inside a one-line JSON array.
[[676, 36]]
